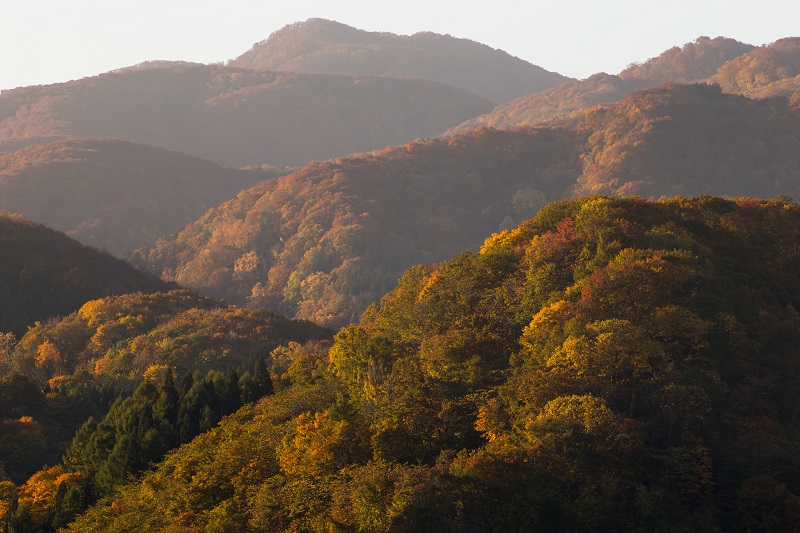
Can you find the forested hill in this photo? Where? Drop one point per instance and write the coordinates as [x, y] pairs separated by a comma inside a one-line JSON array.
[[44, 274], [689, 63], [112, 194], [760, 68], [111, 360], [328, 47], [688, 140], [235, 116], [561, 101], [324, 242], [328, 239], [611, 365], [738, 68]]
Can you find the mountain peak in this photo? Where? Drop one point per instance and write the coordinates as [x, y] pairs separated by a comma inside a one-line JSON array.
[[323, 46]]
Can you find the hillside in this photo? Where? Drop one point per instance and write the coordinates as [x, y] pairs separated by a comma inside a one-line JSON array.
[[689, 140], [91, 361], [754, 71], [558, 102], [328, 239], [689, 63], [126, 336], [611, 365], [234, 116], [737, 67], [112, 194], [327, 47], [44, 274]]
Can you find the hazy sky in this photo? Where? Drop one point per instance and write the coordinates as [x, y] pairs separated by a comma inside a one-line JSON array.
[[47, 41]]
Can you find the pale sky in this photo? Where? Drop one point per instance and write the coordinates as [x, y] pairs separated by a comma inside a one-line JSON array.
[[49, 41]]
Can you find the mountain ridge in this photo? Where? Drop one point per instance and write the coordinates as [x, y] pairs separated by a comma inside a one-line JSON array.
[[44, 273], [319, 45], [235, 116], [324, 241], [114, 194]]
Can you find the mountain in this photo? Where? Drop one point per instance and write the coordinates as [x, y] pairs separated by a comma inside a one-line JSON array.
[[737, 67], [234, 116], [43, 274], [689, 63], [325, 241], [328, 239], [757, 69], [611, 365], [325, 47], [127, 336], [689, 140], [114, 194], [558, 102], [91, 361]]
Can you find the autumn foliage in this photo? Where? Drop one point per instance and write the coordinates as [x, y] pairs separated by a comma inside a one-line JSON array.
[[612, 364], [327, 240]]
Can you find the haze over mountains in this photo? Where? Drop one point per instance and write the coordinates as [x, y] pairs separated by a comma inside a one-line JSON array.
[[234, 116], [326, 240], [113, 194], [737, 67], [324, 46], [549, 358]]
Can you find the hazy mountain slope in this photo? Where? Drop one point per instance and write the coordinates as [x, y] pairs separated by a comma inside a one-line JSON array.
[[693, 62], [328, 239], [325, 241], [763, 72], [612, 365], [235, 116], [689, 140], [757, 69], [43, 274], [113, 194], [788, 88], [689, 63], [561, 101], [327, 47]]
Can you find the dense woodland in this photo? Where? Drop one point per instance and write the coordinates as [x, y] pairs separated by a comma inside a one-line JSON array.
[[577, 312], [528, 387], [325, 241], [125, 379]]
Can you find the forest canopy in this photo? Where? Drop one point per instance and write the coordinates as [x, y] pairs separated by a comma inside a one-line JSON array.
[[612, 364]]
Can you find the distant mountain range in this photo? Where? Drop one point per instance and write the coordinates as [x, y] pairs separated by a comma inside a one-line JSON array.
[[326, 240], [234, 116], [509, 357], [112, 194], [737, 67], [325, 47]]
